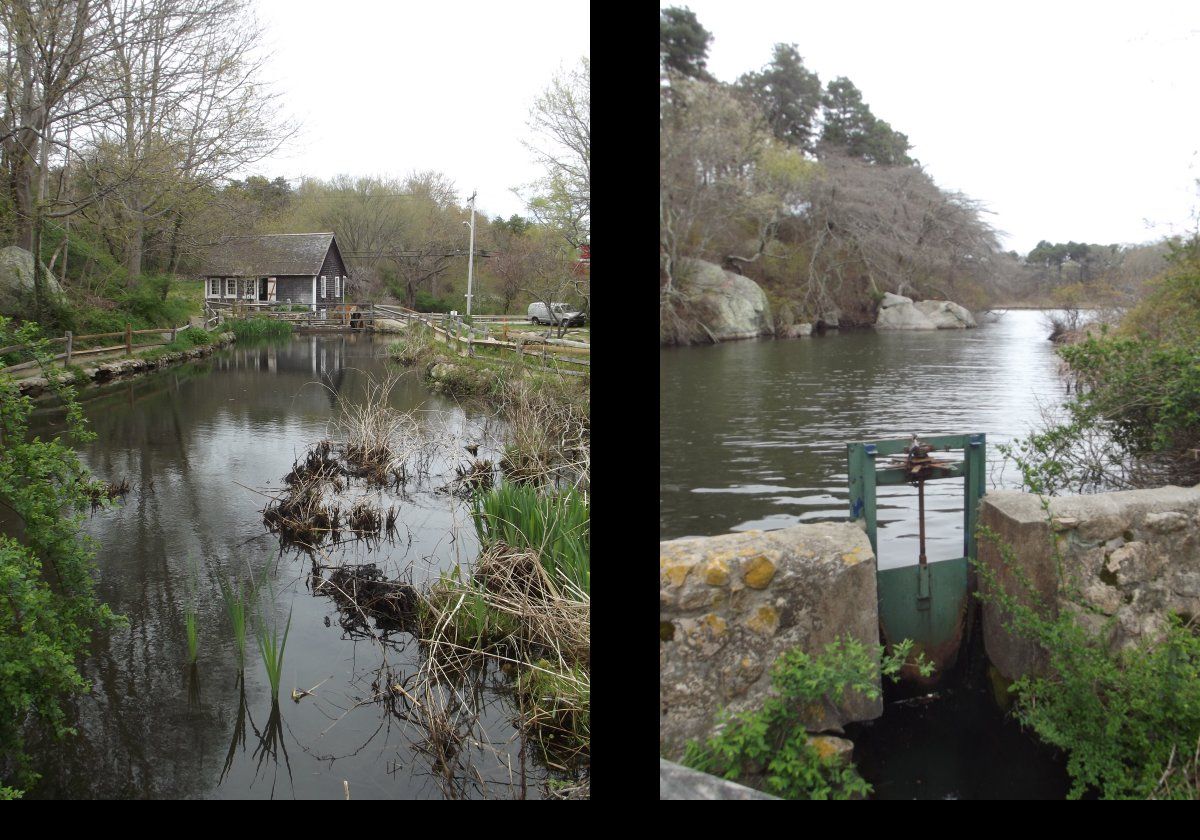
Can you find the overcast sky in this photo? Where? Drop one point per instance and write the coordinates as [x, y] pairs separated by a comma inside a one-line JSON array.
[[384, 88], [1070, 121]]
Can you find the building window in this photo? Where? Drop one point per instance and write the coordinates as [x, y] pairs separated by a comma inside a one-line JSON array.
[[337, 286], [323, 288], [230, 287], [214, 287]]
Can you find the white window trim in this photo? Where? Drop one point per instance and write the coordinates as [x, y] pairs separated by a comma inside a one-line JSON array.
[[230, 287], [324, 287]]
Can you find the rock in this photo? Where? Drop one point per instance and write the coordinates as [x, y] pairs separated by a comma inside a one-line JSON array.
[[730, 605], [899, 313], [831, 745], [678, 782], [795, 331], [1132, 555], [733, 306], [945, 314], [16, 282]]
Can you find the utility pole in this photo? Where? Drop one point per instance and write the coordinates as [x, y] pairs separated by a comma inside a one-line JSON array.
[[471, 257]]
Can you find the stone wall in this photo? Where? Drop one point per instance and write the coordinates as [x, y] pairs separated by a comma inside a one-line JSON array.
[[730, 605], [1120, 561]]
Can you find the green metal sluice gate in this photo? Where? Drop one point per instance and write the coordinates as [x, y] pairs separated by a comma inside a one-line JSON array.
[[928, 602]]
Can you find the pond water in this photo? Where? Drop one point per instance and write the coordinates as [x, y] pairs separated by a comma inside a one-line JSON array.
[[753, 435], [204, 447]]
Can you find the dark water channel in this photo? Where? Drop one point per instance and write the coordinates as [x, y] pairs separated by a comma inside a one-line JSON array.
[[753, 436], [203, 447]]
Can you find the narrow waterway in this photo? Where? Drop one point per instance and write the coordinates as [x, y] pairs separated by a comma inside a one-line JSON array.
[[204, 447], [753, 435]]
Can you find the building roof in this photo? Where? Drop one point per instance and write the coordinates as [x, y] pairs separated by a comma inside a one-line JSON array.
[[265, 256]]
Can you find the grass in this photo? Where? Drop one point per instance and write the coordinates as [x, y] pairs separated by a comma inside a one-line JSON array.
[[555, 525], [271, 645], [257, 329]]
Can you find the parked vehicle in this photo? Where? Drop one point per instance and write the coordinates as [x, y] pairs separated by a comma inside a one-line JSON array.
[[558, 313]]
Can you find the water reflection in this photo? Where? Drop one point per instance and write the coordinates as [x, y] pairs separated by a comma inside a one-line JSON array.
[[204, 447]]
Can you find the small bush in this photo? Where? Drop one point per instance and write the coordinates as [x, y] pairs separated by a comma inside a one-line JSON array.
[[1121, 716], [770, 749]]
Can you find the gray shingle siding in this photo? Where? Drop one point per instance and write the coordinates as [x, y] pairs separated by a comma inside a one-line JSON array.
[[295, 259]]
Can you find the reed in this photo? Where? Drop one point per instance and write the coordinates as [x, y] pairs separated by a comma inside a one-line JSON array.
[[555, 525], [193, 641], [271, 645], [236, 597]]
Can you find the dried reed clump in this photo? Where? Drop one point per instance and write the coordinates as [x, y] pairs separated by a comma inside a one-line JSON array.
[[549, 433], [320, 464], [99, 491], [301, 516], [365, 519], [378, 439], [363, 590], [512, 610]]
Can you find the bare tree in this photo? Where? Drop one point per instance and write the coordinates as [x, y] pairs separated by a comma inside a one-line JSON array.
[[561, 121], [185, 107]]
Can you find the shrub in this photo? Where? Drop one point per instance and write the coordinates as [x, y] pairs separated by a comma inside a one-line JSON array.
[[1121, 717], [44, 629], [258, 329], [770, 748]]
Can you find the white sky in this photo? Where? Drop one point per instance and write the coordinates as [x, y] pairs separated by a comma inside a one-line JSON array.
[[384, 87], [1069, 120]]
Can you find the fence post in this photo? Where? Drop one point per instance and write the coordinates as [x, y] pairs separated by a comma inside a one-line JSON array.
[[67, 360], [174, 334]]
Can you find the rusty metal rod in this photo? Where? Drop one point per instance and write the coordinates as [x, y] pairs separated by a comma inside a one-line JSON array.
[[921, 517]]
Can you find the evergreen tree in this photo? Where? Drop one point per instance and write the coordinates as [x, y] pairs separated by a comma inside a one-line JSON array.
[[682, 43], [789, 95]]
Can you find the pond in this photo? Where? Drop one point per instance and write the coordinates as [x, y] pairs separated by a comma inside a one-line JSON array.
[[204, 448], [753, 435]]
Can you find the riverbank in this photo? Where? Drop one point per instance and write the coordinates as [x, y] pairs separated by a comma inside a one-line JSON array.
[[146, 362]]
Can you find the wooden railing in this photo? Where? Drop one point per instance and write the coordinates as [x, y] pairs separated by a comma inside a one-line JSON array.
[[71, 351]]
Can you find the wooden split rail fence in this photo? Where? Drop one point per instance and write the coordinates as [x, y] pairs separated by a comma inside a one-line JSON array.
[[448, 329], [69, 341]]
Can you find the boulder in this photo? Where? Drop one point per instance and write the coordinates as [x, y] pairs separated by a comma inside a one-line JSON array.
[[16, 282], [734, 306], [730, 605], [898, 313], [795, 331], [1121, 562], [945, 314]]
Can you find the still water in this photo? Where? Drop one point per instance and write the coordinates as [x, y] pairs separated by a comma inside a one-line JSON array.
[[204, 447], [753, 434]]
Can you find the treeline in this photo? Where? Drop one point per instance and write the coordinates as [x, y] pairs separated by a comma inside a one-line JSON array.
[[123, 124], [800, 186], [1080, 274]]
